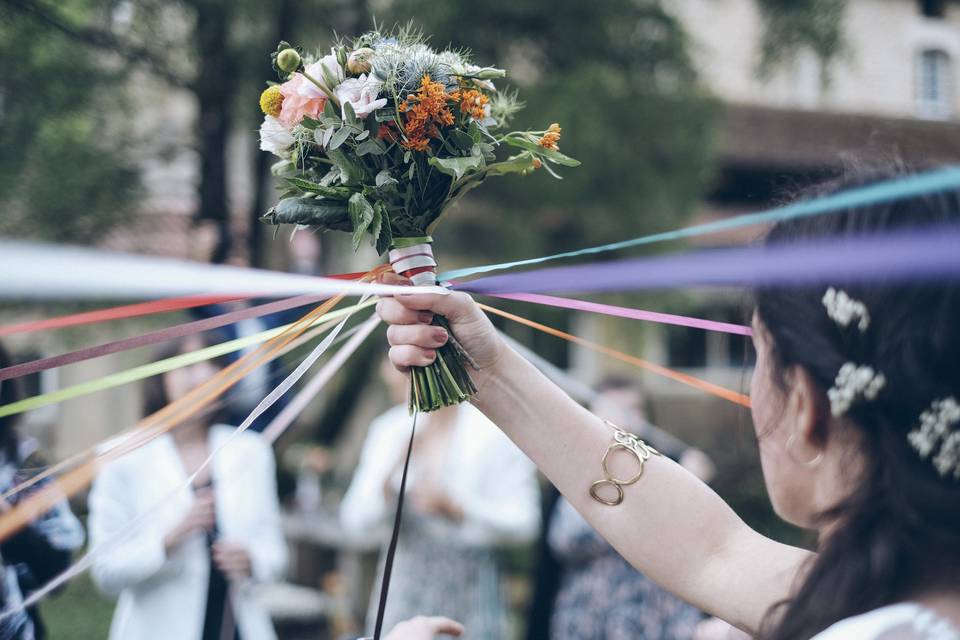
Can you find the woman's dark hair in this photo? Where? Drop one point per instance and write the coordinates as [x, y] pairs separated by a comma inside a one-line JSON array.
[[154, 392], [899, 529], [10, 391]]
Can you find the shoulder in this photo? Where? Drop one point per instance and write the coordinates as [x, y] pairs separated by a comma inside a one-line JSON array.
[[906, 621]]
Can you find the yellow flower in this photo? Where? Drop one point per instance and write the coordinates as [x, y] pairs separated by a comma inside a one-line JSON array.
[[271, 101], [551, 137]]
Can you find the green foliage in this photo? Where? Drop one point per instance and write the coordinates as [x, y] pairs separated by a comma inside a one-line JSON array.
[[793, 25], [65, 171]]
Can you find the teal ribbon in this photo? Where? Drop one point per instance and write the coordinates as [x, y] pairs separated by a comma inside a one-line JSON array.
[[888, 191]]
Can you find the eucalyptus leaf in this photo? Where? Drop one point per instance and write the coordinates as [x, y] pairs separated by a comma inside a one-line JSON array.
[[384, 179], [373, 147], [363, 135], [329, 111], [340, 137], [309, 123]]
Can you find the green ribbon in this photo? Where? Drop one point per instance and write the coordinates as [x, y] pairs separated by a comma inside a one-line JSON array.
[[161, 366], [897, 189]]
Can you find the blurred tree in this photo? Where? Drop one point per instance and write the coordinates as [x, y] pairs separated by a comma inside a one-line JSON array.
[[617, 76], [65, 174]]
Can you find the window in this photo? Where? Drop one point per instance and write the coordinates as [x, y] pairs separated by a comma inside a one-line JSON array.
[[933, 8], [933, 90]]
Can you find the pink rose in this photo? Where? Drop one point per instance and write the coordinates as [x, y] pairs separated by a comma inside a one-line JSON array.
[[299, 101]]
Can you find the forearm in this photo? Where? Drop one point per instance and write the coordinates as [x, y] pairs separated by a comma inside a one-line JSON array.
[[670, 525]]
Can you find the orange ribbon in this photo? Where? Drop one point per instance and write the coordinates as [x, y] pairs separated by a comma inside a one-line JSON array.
[[660, 370]]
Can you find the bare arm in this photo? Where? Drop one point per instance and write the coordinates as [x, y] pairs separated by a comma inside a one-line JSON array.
[[670, 525]]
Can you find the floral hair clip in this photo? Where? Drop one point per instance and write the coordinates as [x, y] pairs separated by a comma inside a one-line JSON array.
[[843, 309], [852, 382], [935, 429]]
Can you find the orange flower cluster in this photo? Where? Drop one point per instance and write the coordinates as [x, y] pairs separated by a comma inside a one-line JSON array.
[[551, 137], [472, 102], [426, 110]]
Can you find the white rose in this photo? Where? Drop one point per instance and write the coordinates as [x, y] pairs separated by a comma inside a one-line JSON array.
[[361, 93], [327, 71], [274, 137]]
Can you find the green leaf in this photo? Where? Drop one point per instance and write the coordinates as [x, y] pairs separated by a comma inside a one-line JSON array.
[[340, 137], [384, 115], [329, 111], [349, 115], [551, 155], [325, 214], [377, 224], [385, 238], [457, 167], [461, 139], [361, 215], [363, 135], [352, 172], [373, 147], [335, 193], [309, 123]]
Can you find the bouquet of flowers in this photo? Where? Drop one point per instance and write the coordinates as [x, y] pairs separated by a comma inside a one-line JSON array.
[[379, 138]]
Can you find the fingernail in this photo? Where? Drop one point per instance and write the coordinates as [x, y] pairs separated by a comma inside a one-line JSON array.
[[430, 354], [440, 335], [425, 317]]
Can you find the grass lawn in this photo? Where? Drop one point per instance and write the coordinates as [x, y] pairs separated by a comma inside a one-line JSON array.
[[78, 613]]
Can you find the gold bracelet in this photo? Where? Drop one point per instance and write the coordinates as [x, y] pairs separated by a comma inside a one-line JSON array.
[[622, 440]]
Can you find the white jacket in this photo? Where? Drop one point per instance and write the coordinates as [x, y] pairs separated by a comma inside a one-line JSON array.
[[488, 477], [163, 597]]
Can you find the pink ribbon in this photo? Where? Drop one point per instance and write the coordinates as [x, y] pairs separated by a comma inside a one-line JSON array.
[[625, 312]]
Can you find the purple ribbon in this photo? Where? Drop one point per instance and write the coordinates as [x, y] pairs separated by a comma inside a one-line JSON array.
[[929, 254]]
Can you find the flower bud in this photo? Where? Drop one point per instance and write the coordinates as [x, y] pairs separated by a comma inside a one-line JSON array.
[[288, 60], [359, 61]]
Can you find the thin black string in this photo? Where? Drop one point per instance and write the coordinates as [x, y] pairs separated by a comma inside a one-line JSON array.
[[392, 548]]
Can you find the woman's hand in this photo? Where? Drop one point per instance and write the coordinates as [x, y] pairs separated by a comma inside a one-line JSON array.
[[199, 519], [413, 340], [233, 559], [424, 628], [431, 500]]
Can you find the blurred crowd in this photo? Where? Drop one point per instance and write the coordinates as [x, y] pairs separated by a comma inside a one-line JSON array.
[[186, 547]]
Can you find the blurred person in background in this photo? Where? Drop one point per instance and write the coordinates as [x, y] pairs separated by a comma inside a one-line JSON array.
[[585, 590], [41, 550], [470, 494], [189, 568]]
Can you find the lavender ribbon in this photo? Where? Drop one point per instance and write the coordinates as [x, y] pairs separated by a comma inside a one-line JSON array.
[[930, 254]]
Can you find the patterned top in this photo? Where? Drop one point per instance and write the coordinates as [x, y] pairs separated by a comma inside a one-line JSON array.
[[38, 552], [602, 597], [906, 621]]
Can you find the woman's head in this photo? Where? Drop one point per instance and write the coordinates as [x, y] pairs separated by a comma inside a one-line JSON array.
[[173, 385], [885, 353]]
